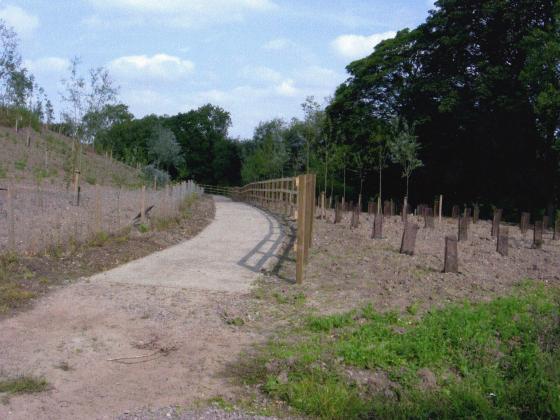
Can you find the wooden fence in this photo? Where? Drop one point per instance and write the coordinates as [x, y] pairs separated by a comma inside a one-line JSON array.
[[294, 197]]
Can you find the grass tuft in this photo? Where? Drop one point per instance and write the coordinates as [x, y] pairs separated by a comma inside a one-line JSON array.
[[23, 385]]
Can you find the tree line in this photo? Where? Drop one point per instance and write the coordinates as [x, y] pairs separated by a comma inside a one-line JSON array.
[[467, 105]]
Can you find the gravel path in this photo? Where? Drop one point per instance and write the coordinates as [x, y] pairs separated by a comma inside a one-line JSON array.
[[224, 257], [168, 309]]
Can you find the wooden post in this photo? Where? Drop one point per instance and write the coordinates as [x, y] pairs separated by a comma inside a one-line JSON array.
[[524, 222], [310, 210], [300, 241], [451, 262], [98, 221], [503, 241], [455, 212], [404, 212], [538, 235], [463, 228], [11, 220], [476, 214], [428, 219], [556, 235], [496, 221], [143, 205], [323, 209], [440, 207], [377, 231], [408, 242], [545, 223]]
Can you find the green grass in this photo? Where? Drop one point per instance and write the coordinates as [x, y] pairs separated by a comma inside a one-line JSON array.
[[21, 164], [3, 172], [499, 359], [23, 385]]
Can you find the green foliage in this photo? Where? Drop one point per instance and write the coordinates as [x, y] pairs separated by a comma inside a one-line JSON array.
[[489, 360], [21, 164], [481, 83], [150, 172], [3, 172], [163, 148]]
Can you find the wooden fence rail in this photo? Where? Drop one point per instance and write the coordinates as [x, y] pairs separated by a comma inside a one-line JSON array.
[[294, 197]]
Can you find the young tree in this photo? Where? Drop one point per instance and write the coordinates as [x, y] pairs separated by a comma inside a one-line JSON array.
[[10, 59], [380, 150], [163, 149], [49, 112], [86, 98], [404, 149]]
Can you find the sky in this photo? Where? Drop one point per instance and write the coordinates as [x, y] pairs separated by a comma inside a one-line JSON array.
[[258, 59]]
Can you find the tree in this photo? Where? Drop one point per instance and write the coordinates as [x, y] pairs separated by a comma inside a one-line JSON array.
[[163, 149], [481, 81], [404, 149], [87, 98], [10, 59]]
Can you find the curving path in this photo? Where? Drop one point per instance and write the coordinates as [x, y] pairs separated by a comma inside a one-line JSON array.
[[240, 242], [176, 299]]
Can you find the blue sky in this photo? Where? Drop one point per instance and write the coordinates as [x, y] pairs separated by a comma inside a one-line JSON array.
[[259, 59]]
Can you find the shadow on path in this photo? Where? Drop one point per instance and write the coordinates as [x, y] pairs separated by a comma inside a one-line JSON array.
[[279, 241]]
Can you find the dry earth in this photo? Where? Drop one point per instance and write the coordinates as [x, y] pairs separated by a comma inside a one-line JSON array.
[[349, 269], [169, 327]]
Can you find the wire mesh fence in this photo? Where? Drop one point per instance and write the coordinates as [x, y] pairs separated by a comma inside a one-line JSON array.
[[33, 219]]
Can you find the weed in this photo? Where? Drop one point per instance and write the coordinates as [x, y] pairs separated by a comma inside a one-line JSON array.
[[100, 239], [21, 164], [3, 172], [143, 228], [23, 385]]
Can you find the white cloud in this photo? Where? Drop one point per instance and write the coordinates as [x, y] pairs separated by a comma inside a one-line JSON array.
[[184, 13], [161, 67], [278, 44], [261, 73], [287, 88], [358, 46], [47, 65], [23, 22]]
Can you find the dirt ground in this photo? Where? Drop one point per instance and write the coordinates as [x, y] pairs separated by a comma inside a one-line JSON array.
[[108, 347], [45, 272], [348, 268]]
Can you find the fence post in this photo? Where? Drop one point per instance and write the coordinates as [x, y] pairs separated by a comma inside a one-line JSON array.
[[143, 205], [98, 222], [302, 197], [11, 220], [440, 206]]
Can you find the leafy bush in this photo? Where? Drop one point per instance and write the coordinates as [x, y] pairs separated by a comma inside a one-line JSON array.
[[150, 172]]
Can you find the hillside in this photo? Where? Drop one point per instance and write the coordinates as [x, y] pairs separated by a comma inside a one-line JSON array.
[[48, 160]]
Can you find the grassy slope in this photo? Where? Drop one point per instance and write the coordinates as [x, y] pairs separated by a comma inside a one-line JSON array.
[[49, 160]]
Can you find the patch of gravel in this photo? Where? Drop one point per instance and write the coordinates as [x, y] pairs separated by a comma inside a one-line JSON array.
[[177, 413]]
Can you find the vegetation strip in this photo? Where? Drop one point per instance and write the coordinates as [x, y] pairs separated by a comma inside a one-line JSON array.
[[499, 359]]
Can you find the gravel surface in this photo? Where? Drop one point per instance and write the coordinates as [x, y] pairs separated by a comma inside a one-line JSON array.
[[174, 413]]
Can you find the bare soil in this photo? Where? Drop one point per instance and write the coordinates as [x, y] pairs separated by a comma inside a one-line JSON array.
[[43, 273], [348, 269]]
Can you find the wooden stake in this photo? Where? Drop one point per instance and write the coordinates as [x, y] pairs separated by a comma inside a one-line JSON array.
[[300, 246], [440, 206], [503, 241], [143, 205], [11, 220], [451, 262]]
